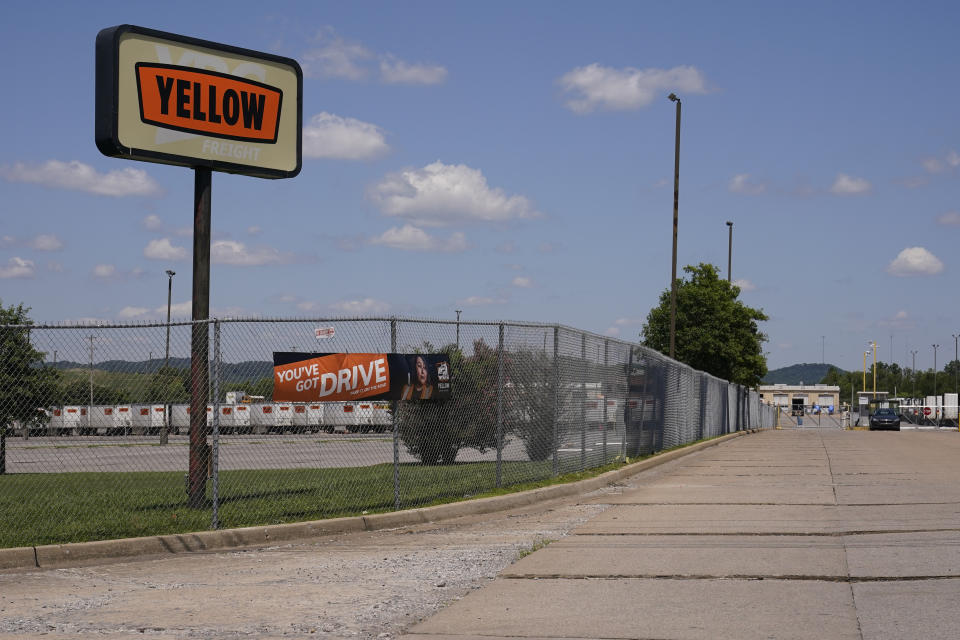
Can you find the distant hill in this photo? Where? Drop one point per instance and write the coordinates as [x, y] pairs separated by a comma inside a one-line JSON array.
[[230, 371], [807, 373]]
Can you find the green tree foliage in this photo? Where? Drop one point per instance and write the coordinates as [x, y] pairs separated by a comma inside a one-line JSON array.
[[434, 431], [26, 385], [715, 332], [169, 386], [531, 402]]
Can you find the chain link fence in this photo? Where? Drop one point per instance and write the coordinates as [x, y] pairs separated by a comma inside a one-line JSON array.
[[95, 422]]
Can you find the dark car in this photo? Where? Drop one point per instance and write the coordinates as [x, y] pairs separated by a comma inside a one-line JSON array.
[[885, 419]]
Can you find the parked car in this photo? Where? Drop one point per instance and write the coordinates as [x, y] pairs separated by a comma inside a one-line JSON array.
[[885, 419]]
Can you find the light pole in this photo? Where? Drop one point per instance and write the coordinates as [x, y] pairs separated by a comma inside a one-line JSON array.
[[913, 371], [170, 274], [935, 347], [459, 311], [676, 203], [729, 249], [165, 431], [956, 364], [90, 405]]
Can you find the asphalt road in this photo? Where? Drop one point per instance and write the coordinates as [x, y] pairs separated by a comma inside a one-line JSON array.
[[267, 451]]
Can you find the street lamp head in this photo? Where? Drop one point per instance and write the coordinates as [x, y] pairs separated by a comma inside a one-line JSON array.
[[673, 97], [171, 273], [729, 224]]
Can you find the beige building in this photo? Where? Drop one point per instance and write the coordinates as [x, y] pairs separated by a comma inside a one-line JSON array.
[[824, 395]]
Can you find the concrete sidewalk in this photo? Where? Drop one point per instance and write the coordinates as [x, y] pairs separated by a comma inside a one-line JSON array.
[[820, 534]]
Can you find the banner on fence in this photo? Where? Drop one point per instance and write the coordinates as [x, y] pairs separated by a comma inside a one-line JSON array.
[[311, 377]]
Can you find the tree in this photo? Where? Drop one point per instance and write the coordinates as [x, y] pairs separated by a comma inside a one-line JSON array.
[[26, 385], [715, 332], [434, 431]]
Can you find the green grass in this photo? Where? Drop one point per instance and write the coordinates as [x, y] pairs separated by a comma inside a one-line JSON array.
[[76, 507], [46, 508]]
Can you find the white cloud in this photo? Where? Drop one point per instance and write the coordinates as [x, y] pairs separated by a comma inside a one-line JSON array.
[[932, 165], [613, 332], [939, 165], [335, 57], [82, 177], [950, 218], [523, 282], [46, 242], [900, 320], [411, 238], [915, 261], [7, 241], [132, 312], [153, 223], [440, 194], [254, 230], [332, 136], [361, 307], [396, 71], [846, 185], [104, 271], [596, 86], [239, 255], [482, 301], [745, 184], [162, 250], [17, 268], [177, 310], [744, 284]]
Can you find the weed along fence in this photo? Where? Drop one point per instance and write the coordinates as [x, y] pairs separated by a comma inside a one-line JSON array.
[[95, 420]]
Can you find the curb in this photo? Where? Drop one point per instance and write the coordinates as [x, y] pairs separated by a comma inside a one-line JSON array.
[[100, 551]]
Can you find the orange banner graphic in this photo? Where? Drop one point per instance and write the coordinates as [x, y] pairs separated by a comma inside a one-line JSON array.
[[339, 376]]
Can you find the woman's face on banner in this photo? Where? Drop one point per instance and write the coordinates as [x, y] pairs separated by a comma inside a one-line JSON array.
[[421, 371]]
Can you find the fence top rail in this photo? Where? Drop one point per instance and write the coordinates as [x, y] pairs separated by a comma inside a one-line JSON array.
[[645, 353]]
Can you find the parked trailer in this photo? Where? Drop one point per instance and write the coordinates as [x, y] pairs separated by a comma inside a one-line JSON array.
[[148, 418], [271, 417], [180, 417], [69, 420], [372, 416], [110, 420], [950, 406], [341, 416], [308, 417], [241, 418]]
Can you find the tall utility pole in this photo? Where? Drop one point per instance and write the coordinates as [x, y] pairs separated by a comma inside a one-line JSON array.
[[459, 311], [956, 365], [676, 204], [913, 371], [874, 345], [935, 347], [729, 250]]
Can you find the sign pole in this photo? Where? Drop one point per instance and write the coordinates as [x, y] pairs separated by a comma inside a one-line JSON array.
[[200, 344]]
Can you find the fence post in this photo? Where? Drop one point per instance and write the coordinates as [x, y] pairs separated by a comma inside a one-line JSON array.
[[3, 449], [396, 430], [583, 401], [500, 408], [627, 412], [215, 454], [556, 399], [606, 423]]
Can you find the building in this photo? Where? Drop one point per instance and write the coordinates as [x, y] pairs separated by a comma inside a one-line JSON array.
[[822, 395]]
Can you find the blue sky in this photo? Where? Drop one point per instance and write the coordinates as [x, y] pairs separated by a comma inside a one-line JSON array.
[[515, 160]]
